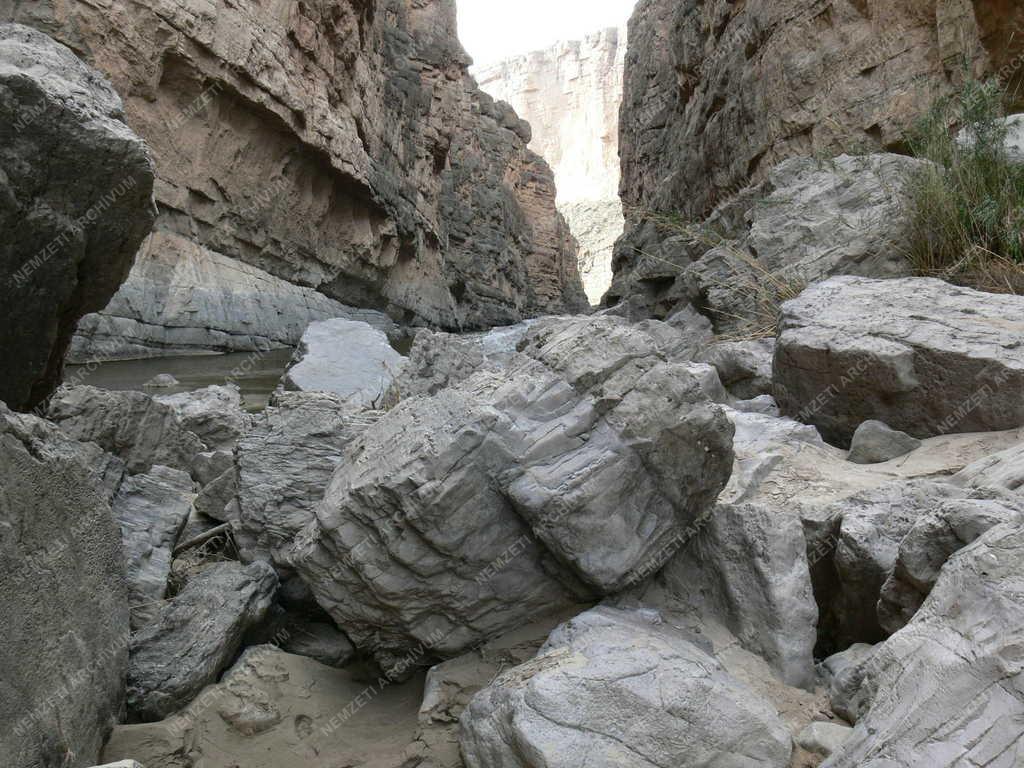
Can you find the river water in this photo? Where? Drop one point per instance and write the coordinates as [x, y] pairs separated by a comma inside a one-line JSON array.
[[256, 374]]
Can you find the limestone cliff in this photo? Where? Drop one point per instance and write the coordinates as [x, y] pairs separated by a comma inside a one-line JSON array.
[[339, 145], [717, 93], [570, 94]]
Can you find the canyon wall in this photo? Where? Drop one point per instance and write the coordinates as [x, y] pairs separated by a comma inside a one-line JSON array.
[[337, 146], [717, 93], [570, 95]]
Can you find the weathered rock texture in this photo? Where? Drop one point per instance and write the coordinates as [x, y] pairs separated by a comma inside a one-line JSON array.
[[339, 145], [717, 93], [76, 191], [570, 95], [65, 649], [925, 357], [456, 517]]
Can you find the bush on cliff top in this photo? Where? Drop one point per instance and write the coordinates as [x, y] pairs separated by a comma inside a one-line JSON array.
[[967, 210]]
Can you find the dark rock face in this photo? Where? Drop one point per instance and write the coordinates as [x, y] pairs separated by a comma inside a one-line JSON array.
[[76, 191], [339, 145], [717, 93], [64, 653]]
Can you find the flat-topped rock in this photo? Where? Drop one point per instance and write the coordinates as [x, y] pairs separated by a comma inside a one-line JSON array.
[[926, 357]]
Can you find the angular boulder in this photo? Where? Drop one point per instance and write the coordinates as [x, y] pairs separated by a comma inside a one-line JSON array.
[[214, 414], [619, 688], [948, 689], [566, 475], [152, 510], [347, 358], [745, 367], [65, 651], [76, 201], [131, 425], [746, 566], [875, 442], [926, 357], [195, 636]]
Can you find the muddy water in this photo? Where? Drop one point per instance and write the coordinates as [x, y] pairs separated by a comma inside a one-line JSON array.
[[255, 373]]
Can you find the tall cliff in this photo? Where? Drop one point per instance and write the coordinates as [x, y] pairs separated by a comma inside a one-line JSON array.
[[336, 150], [717, 93], [570, 95]]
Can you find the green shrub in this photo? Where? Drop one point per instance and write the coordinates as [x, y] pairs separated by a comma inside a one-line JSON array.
[[967, 210]]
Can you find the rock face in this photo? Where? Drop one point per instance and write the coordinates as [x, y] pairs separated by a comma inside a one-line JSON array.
[[570, 95], [65, 649], [617, 688], [75, 204], [1000, 470], [716, 94], [195, 636], [946, 690], [925, 357], [565, 475], [182, 298], [152, 510], [349, 359], [341, 146], [131, 425]]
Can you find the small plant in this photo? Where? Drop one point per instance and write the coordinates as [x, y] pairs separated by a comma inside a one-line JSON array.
[[966, 209]]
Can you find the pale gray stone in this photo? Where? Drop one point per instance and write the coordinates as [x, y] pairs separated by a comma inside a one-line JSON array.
[[152, 510], [947, 689], [874, 442], [619, 688], [63, 597], [75, 205], [349, 359], [162, 381], [214, 414], [195, 636], [745, 367], [843, 674], [1000, 470], [926, 357], [323, 642], [131, 425], [823, 738]]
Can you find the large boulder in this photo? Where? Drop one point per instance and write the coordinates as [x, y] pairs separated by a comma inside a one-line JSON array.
[[152, 510], [947, 689], [746, 566], [349, 359], [619, 688], [65, 650], [924, 356], [195, 636], [214, 414], [131, 425], [75, 204], [566, 474]]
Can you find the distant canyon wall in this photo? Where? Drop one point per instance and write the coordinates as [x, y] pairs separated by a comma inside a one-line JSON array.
[[717, 93], [570, 95], [335, 147]]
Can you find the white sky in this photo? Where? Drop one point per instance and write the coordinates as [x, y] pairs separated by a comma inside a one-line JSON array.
[[491, 30]]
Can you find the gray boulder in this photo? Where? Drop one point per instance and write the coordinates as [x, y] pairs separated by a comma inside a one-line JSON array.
[[75, 205], [152, 510], [348, 358], [875, 442], [619, 688], [822, 738], [195, 636], [746, 566], [216, 497], [926, 357], [131, 425], [948, 690], [842, 674], [65, 650], [745, 367], [563, 476], [323, 642], [162, 381], [214, 414], [932, 540]]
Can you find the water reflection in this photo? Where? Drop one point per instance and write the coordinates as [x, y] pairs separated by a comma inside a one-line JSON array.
[[255, 373]]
